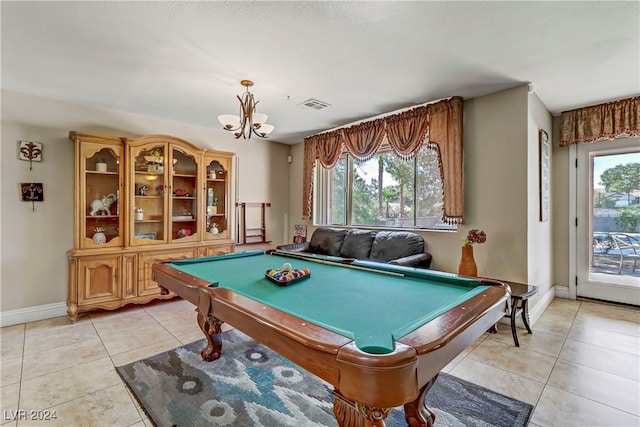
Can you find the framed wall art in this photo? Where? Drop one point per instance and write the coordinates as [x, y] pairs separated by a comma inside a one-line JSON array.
[[544, 154], [299, 233], [30, 151], [32, 192]]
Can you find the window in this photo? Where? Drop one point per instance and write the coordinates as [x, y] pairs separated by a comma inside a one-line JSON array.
[[384, 191]]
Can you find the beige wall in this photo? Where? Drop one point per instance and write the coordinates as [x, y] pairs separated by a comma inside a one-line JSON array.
[[500, 187], [560, 211], [539, 237], [34, 243], [500, 140]]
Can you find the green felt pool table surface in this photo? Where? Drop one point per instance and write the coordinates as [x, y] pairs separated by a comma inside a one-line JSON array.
[[374, 308]]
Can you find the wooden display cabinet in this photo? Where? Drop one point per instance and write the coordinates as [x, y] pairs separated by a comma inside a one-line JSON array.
[[137, 202]]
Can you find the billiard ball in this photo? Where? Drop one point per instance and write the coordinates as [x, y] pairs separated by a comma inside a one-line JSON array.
[[286, 266]]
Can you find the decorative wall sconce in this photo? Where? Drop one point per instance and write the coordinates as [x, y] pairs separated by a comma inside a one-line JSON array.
[[31, 151], [32, 192]]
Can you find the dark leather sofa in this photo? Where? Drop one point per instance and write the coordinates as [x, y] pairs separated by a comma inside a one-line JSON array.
[[392, 247]]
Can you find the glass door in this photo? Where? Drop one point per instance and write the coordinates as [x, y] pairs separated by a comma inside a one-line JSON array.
[[217, 198], [608, 232], [149, 198], [101, 180], [184, 197]]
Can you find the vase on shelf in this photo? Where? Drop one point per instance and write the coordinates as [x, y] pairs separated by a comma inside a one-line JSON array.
[[467, 266], [99, 236], [101, 167]]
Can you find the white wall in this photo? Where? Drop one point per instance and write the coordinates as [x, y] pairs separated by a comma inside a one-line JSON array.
[[34, 243]]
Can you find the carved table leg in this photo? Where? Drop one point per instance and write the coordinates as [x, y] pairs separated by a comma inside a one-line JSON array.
[[416, 413], [350, 414], [211, 327]]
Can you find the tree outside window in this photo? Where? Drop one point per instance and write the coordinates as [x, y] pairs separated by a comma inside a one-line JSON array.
[[386, 191]]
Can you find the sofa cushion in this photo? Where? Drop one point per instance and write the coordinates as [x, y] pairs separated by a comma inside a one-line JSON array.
[[357, 244], [327, 241], [389, 245]]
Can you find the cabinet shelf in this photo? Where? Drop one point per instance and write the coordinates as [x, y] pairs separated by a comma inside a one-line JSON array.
[[101, 173], [99, 217]]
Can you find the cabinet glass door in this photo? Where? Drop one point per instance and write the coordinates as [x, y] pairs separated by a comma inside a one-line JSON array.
[[149, 201], [102, 181], [216, 192], [184, 197]]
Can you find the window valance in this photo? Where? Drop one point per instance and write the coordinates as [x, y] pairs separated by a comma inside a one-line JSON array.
[[604, 121], [438, 124]]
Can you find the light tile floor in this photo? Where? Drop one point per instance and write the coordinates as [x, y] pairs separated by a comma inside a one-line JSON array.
[[579, 368]]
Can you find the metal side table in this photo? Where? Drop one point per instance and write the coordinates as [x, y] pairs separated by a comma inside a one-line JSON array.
[[520, 294]]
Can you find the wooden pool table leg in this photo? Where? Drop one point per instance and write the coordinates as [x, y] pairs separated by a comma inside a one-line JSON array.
[[350, 414], [210, 325], [416, 413]]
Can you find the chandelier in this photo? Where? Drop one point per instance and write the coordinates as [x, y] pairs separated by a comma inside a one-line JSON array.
[[248, 122]]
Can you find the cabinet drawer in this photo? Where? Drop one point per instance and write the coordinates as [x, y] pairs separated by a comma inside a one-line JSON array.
[[146, 285]]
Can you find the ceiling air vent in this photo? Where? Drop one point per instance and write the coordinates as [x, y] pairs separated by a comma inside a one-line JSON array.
[[314, 103]]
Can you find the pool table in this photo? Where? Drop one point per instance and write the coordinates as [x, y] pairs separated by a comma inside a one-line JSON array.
[[378, 333]]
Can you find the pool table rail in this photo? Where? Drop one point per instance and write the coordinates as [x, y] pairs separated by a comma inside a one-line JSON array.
[[313, 347], [369, 384]]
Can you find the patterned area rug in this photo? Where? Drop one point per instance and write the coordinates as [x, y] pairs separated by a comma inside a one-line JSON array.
[[251, 385]]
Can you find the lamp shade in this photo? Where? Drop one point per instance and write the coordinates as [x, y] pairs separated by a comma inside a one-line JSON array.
[[265, 130], [259, 118], [229, 121]]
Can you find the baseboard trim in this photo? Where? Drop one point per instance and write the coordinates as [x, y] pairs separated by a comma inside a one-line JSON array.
[[563, 292], [32, 314]]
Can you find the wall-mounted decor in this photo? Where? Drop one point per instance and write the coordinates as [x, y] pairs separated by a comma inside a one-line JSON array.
[[544, 154], [32, 192], [30, 151]]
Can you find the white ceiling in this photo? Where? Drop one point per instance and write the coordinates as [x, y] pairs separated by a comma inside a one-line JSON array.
[[184, 60]]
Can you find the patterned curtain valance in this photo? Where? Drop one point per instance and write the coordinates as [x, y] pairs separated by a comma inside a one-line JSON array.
[[438, 124], [605, 121]]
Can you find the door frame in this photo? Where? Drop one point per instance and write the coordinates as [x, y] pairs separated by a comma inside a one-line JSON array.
[[579, 158]]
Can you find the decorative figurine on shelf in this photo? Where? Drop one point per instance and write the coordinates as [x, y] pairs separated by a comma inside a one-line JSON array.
[[160, 189], [181, 192], [142, 191], [99, 236], [183, 232], [214, 229], [155, 156], [101, 164], [138, 214], [102, 205]]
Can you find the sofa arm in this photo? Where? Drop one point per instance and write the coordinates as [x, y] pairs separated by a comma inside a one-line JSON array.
[[418, 261], [294, 247]]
